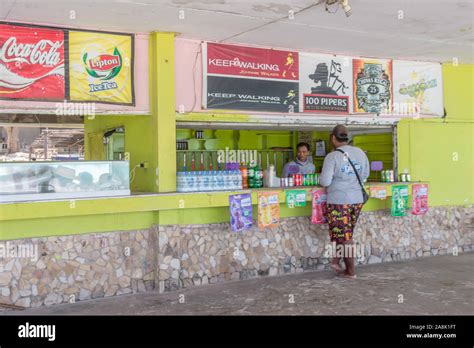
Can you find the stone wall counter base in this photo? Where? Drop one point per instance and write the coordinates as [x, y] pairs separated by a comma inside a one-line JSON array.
[[82, 267]]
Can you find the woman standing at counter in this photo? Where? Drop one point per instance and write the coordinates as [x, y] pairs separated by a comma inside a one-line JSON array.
[[344, 195]]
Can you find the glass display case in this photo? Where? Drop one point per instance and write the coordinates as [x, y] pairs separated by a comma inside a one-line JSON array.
[[32, 181]]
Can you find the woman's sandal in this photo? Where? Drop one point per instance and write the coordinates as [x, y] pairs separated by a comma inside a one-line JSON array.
[[337, 268], [345, 275]]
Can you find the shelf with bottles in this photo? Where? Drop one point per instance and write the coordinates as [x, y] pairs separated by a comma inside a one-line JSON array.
[[215, 159], [232, 177]]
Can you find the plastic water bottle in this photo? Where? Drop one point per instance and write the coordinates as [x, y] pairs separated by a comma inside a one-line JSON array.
[[220, 181], [213, 181], [239, 180], [182, 185], [188, 177], [235, 180], [227, 180], [232, 178], [179, 182], [198, 179], [206, 181]]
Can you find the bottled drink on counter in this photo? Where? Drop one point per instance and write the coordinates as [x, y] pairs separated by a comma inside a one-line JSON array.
[[258, 176], [212, 181], [232, 180], [296, 180], [207, 181], [197, 180], [235, 180], [226, 180], [244, 176], [179, 181], [251, 175], [240, 185], [188, 178], [220, 181]]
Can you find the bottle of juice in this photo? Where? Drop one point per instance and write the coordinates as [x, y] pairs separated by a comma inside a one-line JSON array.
[[244, 173]]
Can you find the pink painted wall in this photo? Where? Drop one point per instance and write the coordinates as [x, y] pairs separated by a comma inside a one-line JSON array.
[[142, 104], [188, 74]]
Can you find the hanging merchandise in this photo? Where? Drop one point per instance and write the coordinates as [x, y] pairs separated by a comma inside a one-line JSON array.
[[319, 209], [268, 209], [420, 199], [240, 212], [295, 198], [379, 192], [399, 200]]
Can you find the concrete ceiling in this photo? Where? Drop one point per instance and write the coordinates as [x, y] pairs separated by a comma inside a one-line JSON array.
[[430, 30]]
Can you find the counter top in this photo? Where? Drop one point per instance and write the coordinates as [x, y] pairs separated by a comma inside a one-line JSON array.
[[142, 202]]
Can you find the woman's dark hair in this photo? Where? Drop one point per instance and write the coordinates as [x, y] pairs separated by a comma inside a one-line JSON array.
[[303, 144]]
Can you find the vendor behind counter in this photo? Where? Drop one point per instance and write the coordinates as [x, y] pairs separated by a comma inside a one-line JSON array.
[[302, 164]]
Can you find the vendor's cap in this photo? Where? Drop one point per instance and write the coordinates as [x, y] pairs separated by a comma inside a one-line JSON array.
[[340, 132]]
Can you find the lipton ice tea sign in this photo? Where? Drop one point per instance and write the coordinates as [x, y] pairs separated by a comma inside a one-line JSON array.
[[100, 67]]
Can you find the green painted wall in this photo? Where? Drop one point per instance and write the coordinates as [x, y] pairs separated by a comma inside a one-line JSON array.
[[458, 83], [138, 139], [379, 148], [441, 151], [68, 225], [442, 154]]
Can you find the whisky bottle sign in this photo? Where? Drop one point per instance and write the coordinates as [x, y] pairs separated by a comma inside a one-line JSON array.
[[372, 86]]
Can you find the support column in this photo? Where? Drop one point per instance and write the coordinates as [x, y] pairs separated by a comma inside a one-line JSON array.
[[163, 114]]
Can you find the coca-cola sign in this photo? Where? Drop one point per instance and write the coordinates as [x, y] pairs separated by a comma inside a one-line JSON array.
[[31, 63]]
